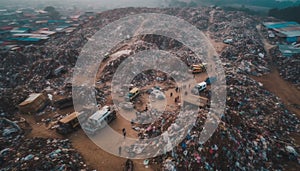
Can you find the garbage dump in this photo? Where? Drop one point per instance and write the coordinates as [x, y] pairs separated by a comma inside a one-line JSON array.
[[249, 136], [286, 59], [20, 153], [288, 67], [245, 50], [254, 132]]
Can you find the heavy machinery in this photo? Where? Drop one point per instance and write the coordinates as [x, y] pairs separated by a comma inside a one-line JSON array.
[[63, 102], [199, 68], [99, 120], [134, 92], [68, 124], [199, 88]]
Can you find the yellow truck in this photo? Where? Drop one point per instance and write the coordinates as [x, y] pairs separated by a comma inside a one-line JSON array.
[[68, 124], [199, 68], [134, 92]]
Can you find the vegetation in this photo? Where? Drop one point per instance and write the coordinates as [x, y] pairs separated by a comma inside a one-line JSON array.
[[257, 3], [245, 9], [289, 14], [178, 3], [52, 12]]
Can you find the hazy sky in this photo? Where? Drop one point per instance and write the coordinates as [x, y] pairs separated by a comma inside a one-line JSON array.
[[92, 4], [85, 3]]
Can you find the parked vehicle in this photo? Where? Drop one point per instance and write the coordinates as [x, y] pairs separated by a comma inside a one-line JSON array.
[[56, 72], [210, 80], [63, 103], [99, 120], [106, 56], [199, 68], [228, 41], [132, 94], [199, 88], [68, 124]]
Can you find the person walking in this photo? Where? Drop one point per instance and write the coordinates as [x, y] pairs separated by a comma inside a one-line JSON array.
[[124, 132], [120, 150]]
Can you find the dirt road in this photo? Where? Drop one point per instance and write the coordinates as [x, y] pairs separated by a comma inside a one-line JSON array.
[[274, 83]]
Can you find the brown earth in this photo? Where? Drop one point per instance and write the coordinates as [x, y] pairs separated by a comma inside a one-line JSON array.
[[273, 82], [94, 156], [286, 91]]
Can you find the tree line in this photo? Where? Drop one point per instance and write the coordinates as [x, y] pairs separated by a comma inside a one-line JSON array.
[[288, 14]]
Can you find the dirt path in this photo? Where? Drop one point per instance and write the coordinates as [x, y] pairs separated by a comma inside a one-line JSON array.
[[94, 156], [267, 45], [287, 92], [274, 83]]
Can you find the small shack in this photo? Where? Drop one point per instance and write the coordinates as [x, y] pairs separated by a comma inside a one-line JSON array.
[[34, 103]]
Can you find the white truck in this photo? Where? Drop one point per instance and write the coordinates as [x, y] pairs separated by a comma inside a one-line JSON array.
[[199, 88], [99, 120]]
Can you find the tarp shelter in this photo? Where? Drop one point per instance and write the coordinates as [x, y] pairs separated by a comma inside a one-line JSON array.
[[288, 30]]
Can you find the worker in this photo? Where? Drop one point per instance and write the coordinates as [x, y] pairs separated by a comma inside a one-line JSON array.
[[120, 150], [124, 132]]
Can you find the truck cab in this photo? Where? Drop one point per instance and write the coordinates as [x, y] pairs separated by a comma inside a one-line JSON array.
[[199, 87], [68, 124], [199, 68], [99, 120], [134, 92]]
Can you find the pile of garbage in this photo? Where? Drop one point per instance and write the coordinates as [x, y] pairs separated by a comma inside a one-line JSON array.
[[254, 133], [30, 69], [288, 67], [245, 49], [20, 153]]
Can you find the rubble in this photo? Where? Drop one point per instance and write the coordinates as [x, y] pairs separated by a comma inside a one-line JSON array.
[[245, 49], [286, 61], [288, 67], [20, 153], [254, 133]]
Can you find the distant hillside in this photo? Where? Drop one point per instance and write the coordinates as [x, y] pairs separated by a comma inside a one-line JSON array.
[[234, 3], [259, 3], [290, 13]]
